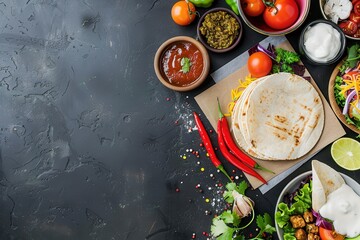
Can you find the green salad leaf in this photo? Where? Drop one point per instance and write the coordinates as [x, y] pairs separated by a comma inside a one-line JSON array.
[[302, 202], [304, 196], [339, 97]]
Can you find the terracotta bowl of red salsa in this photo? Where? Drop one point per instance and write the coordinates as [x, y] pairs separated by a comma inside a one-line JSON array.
[[182, 63]]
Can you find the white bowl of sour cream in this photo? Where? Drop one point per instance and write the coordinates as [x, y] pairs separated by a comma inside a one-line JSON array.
[[322, 42]]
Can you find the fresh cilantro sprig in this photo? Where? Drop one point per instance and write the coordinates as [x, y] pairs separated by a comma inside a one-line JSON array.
[[265, 224], [226, 226], [285, 61], [240, 188], [352, 58], [185, 64]]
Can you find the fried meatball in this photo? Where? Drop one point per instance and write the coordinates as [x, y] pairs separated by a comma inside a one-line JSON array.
[[312, 236], [308, 217], [300, 234], [312, 228], [297, 221]]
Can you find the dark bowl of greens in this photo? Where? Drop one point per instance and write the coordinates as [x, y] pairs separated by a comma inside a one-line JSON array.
[[295, 199], [343, 89]]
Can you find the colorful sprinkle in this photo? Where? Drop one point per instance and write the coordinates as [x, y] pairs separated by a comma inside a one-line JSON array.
[[207, 200], [202, 169], [207, 212]]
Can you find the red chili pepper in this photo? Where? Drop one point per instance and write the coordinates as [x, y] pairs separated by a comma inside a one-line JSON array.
[[232, 159], [208, 146], [233, 147]]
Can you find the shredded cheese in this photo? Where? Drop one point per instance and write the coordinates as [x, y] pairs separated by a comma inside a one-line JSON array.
[[352, 81], [236, 93]]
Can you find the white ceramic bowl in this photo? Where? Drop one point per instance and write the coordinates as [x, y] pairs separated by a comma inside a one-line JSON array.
[[294, 184]]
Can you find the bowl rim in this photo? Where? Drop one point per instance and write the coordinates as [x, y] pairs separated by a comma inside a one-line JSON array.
[[292, 186], [206, 63], [342, 39], [202, 39], [325, 17], [282, 194], [283, 32]]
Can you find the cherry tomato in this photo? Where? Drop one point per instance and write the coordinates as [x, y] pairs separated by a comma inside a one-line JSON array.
[[259, 64], [348, 27], [283, 14], [357, 34], [355, 18], [330, 234], [253, 8], [356, 7], [183, 13]]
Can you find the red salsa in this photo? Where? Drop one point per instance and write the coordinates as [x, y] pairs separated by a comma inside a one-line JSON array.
[[182, 63]]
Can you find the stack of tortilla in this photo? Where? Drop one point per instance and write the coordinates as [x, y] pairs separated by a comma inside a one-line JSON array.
[[278, 117]]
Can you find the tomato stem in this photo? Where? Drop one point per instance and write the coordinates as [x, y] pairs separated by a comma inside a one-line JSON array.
[[189, 9], [271, 4]]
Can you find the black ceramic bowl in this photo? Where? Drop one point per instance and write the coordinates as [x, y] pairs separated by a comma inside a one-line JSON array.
[[339, 54], [203, 39]]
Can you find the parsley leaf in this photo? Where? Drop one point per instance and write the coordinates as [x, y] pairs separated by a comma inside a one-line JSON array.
[[220, 230], [287, 61], [265, 225], [353, 55], [185, 64], [240, 188], [226, 226], [287, 57]]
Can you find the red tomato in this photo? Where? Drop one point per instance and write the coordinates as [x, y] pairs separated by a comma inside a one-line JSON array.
[[183, 13], [356, 7], [283, 14], [357, 34], [329, 234], [355, 18], [259, 64], [348, 27], [253, 8]]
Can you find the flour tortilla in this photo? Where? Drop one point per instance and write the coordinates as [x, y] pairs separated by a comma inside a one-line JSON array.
[[280, 117], [237, 123], [325, 181]]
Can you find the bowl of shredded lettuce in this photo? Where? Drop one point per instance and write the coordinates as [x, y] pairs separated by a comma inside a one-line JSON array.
[[295, 199]]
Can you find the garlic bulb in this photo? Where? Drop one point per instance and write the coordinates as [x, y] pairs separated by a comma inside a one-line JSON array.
[[337, 9], [243, 206]]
